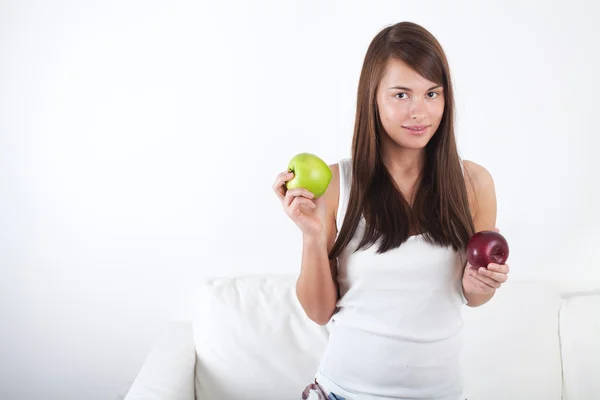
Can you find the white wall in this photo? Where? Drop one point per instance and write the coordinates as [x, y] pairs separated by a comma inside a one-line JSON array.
[[139, 141]]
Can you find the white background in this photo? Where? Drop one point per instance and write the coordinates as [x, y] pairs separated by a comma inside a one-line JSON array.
[[139, 141]]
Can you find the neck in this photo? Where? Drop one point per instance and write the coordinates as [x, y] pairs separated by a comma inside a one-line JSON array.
[[404, 164]]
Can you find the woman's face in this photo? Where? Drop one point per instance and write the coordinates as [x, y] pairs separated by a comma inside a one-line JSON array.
[[406, 102]]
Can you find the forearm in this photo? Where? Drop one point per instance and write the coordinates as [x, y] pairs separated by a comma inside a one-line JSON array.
[[315, 288]]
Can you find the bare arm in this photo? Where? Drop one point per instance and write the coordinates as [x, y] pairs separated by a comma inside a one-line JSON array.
[[484, 218], [316, 287]]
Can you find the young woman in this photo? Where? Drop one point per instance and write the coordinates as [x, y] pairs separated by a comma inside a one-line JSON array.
[[383, 249]]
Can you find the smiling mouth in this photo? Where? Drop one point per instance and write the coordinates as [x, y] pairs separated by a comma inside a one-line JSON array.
[[417, 129]]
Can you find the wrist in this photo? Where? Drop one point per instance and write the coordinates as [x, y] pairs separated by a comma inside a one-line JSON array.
[[319, 239]]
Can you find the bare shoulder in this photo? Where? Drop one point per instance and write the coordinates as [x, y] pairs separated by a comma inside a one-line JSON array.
[[332, 194], [482, 194], [479, 176]]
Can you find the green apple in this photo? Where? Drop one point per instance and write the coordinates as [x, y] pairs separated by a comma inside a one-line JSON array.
[[310, 173]]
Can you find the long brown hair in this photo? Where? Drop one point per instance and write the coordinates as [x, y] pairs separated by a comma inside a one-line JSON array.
[[441, 208]]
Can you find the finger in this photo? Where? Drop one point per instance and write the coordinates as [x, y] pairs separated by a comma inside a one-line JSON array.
[[484, 279], [282, 178], [291, 194], [304, 202], [298, 203], [496, 230], [485, 288], [497, 276], [502, 268], [279, 185], [481, 278]]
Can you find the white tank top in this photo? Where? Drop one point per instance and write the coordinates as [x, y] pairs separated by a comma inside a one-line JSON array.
[[396, 334]]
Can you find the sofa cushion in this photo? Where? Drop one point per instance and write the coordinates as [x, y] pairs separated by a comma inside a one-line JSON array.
[[580, 344], [168, 372], [253, 339], [511, 344]]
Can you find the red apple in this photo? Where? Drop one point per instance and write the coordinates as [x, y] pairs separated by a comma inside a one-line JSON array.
[[487, 247]]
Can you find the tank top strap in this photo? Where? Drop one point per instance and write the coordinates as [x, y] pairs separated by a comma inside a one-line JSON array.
[[345, 167]]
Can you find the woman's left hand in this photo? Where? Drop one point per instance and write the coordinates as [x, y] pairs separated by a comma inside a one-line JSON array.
[[484, 280]]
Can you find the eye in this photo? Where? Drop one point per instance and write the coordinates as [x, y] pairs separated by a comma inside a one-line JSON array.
[[400, 94], [435, 94]]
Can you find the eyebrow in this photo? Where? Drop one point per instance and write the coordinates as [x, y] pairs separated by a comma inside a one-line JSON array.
[[410, 90]]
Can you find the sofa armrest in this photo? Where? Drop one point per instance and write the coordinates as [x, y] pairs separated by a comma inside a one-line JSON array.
[[168, 372]]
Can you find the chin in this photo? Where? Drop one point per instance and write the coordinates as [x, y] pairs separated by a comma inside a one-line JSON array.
[[414, 143], [401, 140]]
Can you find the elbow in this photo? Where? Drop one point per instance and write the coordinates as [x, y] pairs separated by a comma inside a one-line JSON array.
[[320, 318], [318, 310], [319, 313]]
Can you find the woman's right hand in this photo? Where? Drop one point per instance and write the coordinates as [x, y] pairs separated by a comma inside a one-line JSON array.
[[300, 205]]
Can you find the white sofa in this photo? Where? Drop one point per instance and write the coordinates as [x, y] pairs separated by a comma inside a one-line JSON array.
[[249, 339]]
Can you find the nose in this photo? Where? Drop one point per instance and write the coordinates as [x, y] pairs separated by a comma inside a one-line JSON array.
[[417, 109]]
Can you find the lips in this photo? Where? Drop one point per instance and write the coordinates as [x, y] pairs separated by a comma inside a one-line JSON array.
[[416, 129]]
